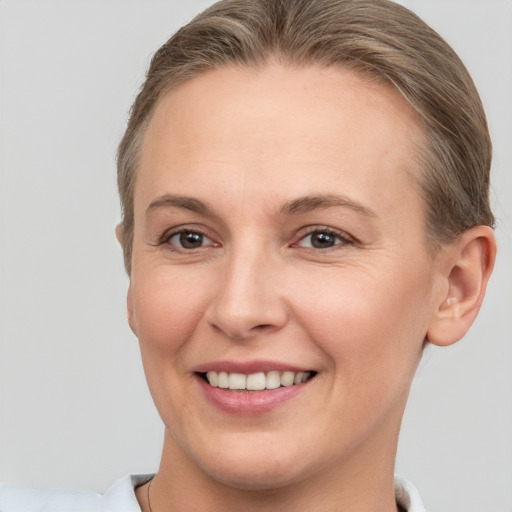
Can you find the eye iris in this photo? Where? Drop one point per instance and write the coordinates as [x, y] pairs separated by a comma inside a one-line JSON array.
[[322, 240], [191, 240]]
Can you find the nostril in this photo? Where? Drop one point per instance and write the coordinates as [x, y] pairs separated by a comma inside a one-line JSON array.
[[241, 329], [261, 327]]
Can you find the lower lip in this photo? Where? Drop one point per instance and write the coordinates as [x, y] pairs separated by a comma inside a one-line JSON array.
[[250, 403]]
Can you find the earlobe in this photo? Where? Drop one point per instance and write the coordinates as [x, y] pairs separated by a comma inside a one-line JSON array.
[[129, 309], [129, 299], [470, 263], [120, 233]]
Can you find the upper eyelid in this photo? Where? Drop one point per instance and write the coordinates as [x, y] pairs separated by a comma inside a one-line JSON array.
[[309, 230], [188, 231], [169, 233]]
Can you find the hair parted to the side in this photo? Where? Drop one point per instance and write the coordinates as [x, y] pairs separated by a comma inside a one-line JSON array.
[[377, 38]]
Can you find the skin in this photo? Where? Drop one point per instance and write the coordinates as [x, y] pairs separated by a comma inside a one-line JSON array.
[[251, 145]]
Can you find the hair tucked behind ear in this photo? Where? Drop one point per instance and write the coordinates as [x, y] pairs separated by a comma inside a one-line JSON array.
[[374, 37]]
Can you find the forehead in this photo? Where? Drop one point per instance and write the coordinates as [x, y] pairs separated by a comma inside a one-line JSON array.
[[285, 91], [279, 128]]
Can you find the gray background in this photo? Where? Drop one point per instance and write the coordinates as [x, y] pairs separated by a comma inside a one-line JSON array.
[[74, 407]]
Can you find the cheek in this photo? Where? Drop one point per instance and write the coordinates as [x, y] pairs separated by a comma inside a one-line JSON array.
[[372, 327], [166, 308]]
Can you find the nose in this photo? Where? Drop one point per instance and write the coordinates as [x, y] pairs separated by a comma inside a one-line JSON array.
[[249, 297]]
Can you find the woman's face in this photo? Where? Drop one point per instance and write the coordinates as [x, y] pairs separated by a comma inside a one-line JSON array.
[[279, 236]]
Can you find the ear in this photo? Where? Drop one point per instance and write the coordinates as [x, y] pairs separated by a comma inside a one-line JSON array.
[[129, 299], [469, 265], [129, 308], [120, 233]]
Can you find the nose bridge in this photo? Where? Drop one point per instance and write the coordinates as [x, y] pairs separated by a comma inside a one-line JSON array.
[[248, 299]]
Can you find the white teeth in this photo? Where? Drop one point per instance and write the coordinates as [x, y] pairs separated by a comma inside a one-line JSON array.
[[300, 377], [273, 380], [255, 381], [287, 378], [236, 381], [213, 379], [222, 381]]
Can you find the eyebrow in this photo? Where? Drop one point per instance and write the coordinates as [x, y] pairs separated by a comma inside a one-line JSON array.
[[296, 206], [308, 203], [185, 202]]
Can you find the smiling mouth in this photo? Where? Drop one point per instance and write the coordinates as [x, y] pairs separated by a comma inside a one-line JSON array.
[[255, 381]]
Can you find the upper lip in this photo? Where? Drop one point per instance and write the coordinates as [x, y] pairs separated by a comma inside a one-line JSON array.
[[248, 367]]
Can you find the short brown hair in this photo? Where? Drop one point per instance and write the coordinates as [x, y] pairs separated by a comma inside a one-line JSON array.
[[378, 38]]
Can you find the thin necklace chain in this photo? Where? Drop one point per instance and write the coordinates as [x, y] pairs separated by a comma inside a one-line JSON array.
[[149, 501]]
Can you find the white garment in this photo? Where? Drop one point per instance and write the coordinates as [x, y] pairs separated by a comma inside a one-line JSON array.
[[407, 496], [121, 498]]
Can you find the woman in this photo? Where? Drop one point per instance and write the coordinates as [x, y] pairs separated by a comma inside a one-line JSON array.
[[305, 206]]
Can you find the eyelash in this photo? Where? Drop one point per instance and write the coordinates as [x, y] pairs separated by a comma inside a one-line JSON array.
[[169, 235], [340, 237]]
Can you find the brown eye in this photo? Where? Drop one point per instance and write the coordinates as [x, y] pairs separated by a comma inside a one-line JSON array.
[[322, 239], [189, 240]]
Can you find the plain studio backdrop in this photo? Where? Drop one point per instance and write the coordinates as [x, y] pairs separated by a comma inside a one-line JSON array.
[[75, 411]]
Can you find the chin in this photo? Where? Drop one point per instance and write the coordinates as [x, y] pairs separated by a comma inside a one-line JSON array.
[[254, 469], [252, 478]]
